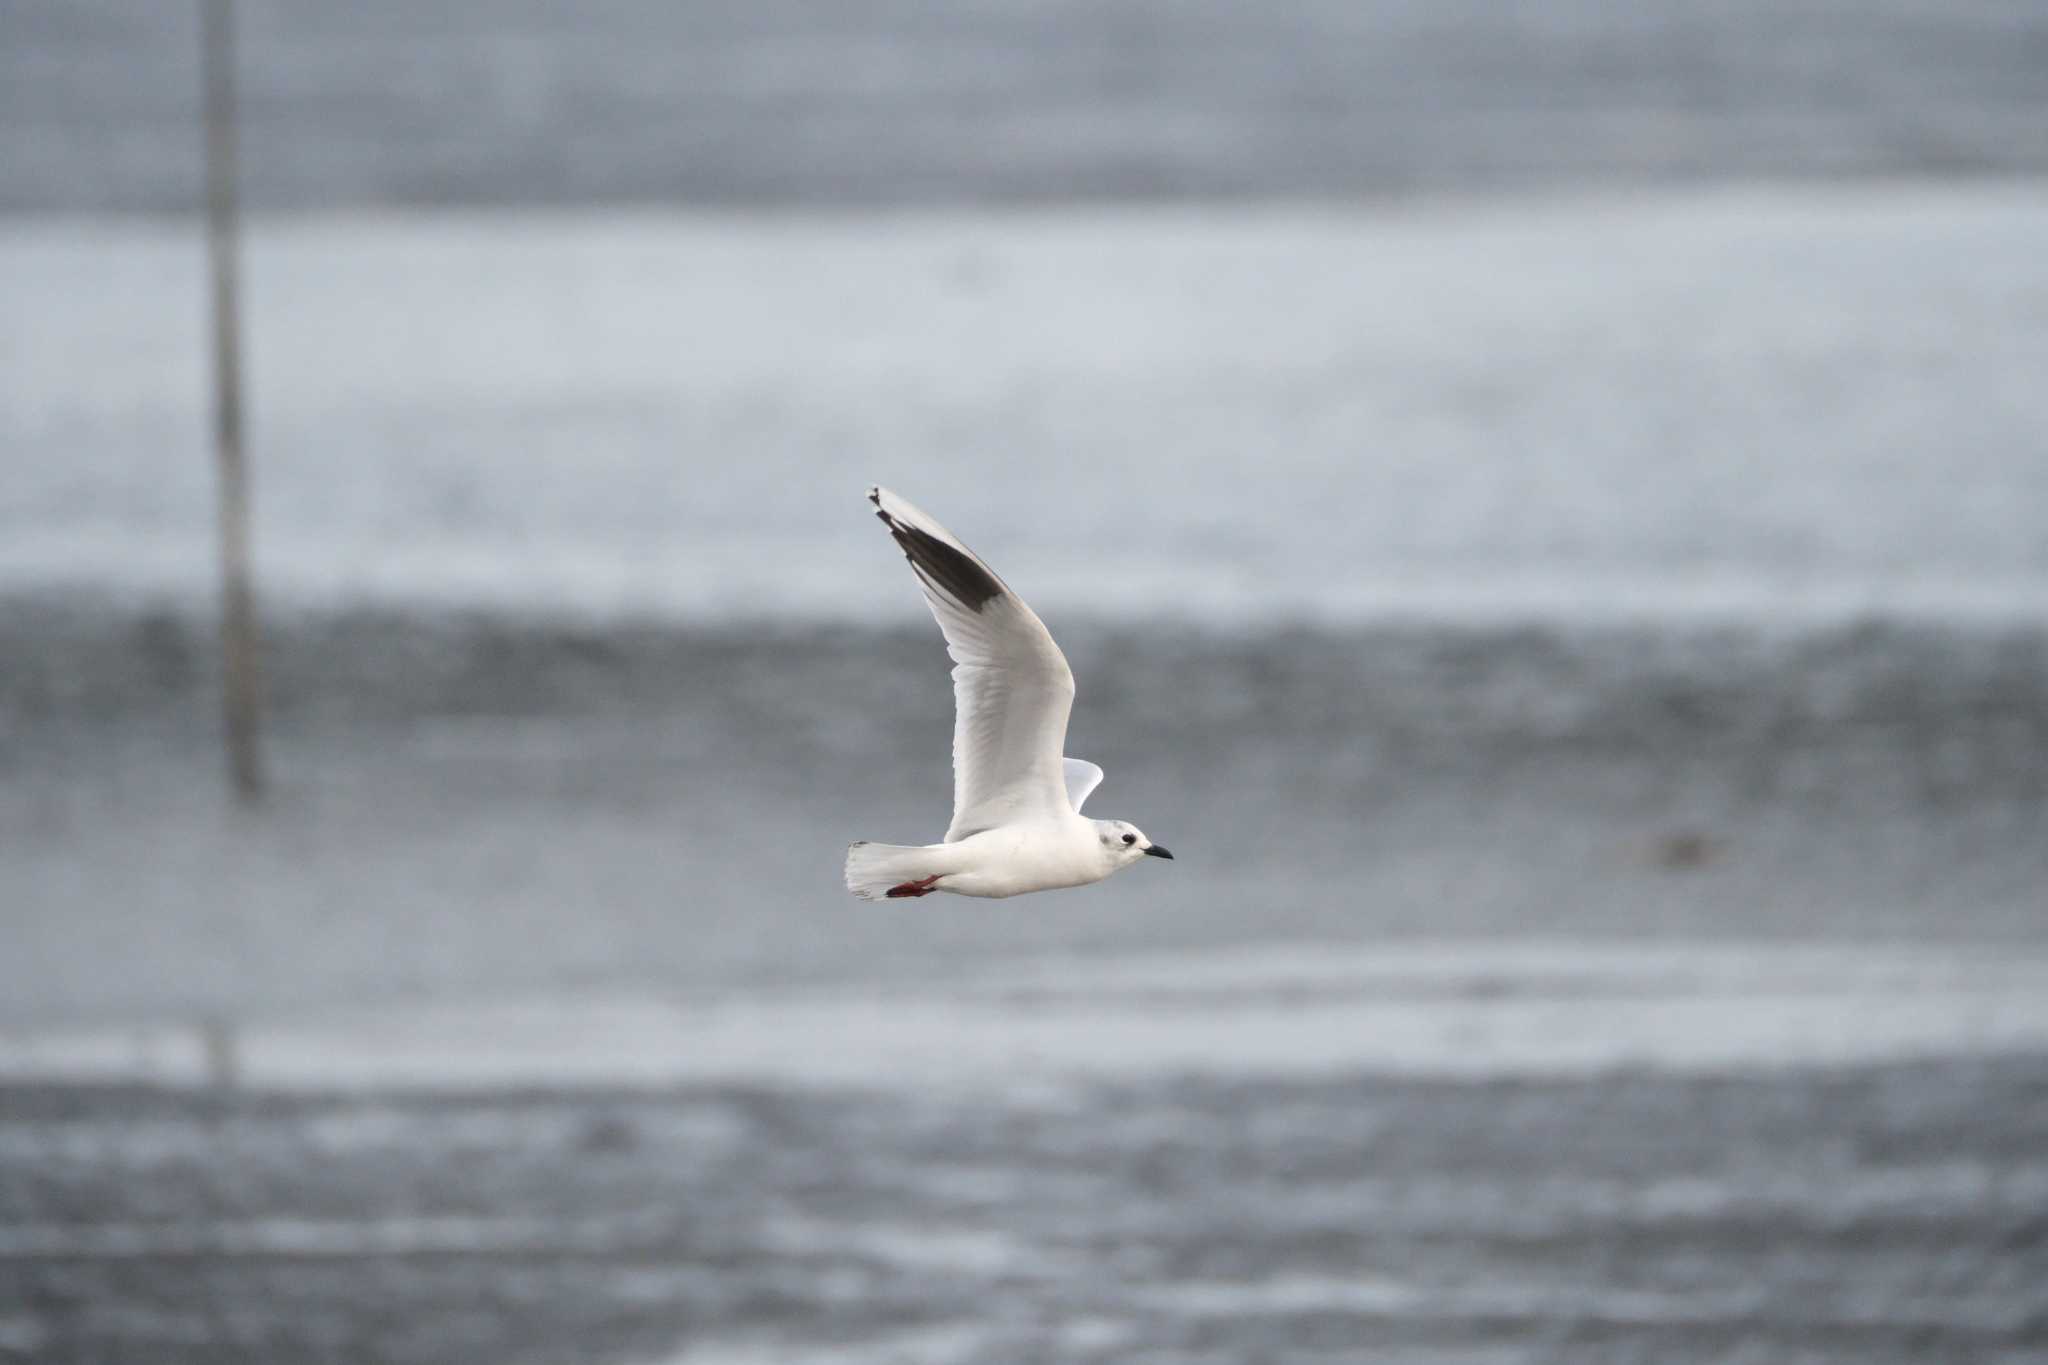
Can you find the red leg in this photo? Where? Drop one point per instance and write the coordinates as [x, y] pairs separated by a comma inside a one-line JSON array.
[[921, 887]]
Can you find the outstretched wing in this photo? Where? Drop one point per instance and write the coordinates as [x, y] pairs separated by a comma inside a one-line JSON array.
[[1012, 688], [1082, 777]]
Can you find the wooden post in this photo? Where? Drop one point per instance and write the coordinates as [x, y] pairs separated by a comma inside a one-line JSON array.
[[242, 696]]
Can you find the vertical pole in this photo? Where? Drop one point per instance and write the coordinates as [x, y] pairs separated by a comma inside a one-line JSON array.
[[242, 697]]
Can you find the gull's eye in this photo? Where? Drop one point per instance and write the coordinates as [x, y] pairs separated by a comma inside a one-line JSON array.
[[1130, 838]]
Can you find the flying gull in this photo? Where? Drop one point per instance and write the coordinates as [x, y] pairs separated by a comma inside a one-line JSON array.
[[1017, 825]]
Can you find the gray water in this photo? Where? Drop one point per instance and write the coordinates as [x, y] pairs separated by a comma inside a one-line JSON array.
[[1492, 584], [1781, 406], [866, 101], [1441, 555], [1546, 509], [1890, 1214]]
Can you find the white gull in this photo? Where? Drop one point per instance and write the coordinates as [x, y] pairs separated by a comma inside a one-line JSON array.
[[1017, 825]]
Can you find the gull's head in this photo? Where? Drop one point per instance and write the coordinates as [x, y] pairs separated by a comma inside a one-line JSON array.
[[1125, 843]]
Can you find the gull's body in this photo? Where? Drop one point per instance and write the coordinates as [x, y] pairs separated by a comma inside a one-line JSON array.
[[1041, 856], [1017, 825]]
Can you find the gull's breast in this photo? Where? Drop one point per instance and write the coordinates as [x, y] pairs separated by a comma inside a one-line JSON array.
[[1014, 860]]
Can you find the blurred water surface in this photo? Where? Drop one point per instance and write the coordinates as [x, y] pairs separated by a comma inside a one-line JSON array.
[[1453, 557], [1888, 1214], [1440, 582], [1545, 504], [1773, 406], [876, 102]]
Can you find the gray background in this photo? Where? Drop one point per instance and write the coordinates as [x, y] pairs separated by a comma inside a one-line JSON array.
[[1545, 505]]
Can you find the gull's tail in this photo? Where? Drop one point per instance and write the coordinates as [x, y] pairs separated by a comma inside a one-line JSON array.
[[877, 872]]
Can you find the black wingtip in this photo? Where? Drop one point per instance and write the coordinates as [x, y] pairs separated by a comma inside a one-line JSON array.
[[957, 574]]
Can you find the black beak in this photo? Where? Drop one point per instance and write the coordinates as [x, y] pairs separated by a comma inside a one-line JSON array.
[[1155, 851]]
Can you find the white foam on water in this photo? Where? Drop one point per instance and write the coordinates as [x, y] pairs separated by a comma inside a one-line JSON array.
[[1474, 1011], [306, 1238], [931, 1345], [1543, 1303], [921, 1248]]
